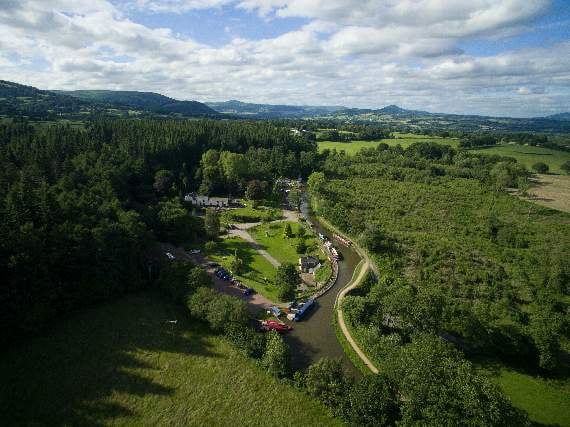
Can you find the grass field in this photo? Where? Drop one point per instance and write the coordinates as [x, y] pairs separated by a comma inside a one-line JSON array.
[[258, 274], [271, 236], [250, 214], [528, 156], [122, 364], [405, 140], [546, 401]]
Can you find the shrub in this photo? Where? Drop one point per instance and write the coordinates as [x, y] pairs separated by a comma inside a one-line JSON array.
[[276, 358], [540, 167]]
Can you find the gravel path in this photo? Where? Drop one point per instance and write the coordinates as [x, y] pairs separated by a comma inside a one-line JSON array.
[[341, 322]]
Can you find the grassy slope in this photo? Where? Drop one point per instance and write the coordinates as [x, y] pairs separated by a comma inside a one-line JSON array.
[[274, 242], [122, 364], [256, 267], [528, 156], [546, 401]]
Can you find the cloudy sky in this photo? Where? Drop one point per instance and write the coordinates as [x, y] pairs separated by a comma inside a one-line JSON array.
[[498, 57]]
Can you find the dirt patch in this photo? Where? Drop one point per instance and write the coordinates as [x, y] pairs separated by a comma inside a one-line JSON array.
[[552, 191]]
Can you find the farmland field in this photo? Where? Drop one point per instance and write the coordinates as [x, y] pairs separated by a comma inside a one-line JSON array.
[[405, 140], [552, 191], [528, 156], [122, 364]]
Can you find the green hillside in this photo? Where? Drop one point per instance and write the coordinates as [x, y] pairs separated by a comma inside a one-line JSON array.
[[147, 101], [123, 364]]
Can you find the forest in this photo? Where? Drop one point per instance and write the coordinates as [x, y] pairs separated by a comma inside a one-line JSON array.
[[83, 208]]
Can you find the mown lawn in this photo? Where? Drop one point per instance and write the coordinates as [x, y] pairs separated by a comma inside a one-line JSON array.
[[405, 140], [251, 214], [528, 156], [271, 237], [258, 273], [122, 364]]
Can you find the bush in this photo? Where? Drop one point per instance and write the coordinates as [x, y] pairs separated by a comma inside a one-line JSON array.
[[276, 358], [540, 167], [566, 167], [174, 279], [301, 246], [247, 340], [286, 279], [210, 246], [220, 311], [327, 381], [372, 401]]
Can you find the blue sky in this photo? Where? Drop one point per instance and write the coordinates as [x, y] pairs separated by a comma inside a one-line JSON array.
[[495, 57]]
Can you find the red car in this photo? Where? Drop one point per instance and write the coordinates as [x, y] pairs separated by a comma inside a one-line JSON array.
[[274, 325]]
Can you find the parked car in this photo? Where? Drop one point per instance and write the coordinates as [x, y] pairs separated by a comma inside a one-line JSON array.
[[194, 251], [248, 291], [212, 264], [170, 256]]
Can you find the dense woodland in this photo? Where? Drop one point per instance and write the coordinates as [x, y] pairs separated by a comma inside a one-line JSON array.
[[81, 209], [458, 257]]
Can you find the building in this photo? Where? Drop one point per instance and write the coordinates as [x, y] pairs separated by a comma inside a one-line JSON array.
[[210, 202], [309, 264]]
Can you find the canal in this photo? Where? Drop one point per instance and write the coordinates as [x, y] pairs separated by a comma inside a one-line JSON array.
[[314, 336]]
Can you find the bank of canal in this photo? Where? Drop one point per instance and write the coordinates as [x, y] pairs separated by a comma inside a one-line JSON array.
[[315, 336]]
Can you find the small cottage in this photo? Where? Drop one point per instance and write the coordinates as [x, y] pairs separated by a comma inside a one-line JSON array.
[[309, 264]]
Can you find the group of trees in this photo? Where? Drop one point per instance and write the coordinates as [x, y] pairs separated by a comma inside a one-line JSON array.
[[190, 286], [347, 133], [287, 279], [425, 382]]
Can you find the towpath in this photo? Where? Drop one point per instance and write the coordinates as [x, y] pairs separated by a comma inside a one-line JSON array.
[[353, 284]]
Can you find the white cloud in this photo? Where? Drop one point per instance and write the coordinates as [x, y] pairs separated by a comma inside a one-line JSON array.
[[359, 53]]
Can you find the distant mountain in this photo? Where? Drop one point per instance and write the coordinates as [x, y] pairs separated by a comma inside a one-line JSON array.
[[146, 101], [271, 111], [559, 116], [21, 100], [394, 110]]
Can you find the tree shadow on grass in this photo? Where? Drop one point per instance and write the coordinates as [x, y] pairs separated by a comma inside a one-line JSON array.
[[88, 369]]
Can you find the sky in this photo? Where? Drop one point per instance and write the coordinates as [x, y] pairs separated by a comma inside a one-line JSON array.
[[489, 57]]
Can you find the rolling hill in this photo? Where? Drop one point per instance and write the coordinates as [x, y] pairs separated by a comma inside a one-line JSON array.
[[145, 101], [21, 100]]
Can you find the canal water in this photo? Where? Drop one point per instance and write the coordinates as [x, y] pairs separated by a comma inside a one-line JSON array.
[[314, 336]]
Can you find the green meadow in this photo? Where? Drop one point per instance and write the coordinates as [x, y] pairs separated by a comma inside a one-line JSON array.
[[528, 156], [123, 363]]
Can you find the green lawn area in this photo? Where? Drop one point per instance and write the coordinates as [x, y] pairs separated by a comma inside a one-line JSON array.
[[250, 214], [546, 401], [324, 272], [405, 140], [528, 156], [256, 268], [121, 364], [271, 237]]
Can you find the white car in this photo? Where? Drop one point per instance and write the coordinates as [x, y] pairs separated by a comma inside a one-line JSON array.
[[194, 251], [170, 256]]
